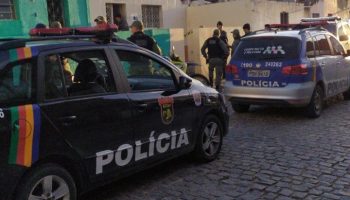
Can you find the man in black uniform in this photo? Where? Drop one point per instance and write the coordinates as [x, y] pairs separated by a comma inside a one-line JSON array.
[[223, 37], [216, 56], [139, 38], [246, 29]]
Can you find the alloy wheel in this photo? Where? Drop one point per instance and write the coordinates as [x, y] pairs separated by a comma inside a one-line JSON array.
[[211, 138], [50, 188]]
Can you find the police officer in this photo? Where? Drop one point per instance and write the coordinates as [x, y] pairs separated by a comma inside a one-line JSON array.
[[216, 56], [139, 38], [246, 29], [223, 37], [223, 33]]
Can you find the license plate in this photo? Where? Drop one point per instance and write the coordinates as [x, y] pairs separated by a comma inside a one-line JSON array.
[[259, 73]]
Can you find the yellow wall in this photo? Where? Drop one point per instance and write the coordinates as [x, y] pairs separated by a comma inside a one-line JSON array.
[[238, 12]]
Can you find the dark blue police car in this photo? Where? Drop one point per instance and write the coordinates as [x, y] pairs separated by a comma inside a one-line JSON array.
[[77, 112], [293, 67]]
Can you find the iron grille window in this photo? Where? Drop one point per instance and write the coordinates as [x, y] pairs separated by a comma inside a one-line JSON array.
[[151, 16], [7, 9]]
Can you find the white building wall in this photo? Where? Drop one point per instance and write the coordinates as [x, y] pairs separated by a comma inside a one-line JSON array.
[[173, 11]]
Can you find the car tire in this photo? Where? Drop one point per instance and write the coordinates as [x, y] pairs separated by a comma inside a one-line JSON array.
[[57, 181], [315, 107], [209, 139], [240, 108]]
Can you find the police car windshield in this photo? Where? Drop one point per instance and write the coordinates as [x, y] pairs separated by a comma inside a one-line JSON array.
[[268, 48]]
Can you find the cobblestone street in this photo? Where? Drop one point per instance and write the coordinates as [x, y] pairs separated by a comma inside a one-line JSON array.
[[270, 153]]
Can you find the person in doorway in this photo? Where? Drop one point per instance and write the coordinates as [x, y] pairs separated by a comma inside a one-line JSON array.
[[237, 39], [56, 24], [121, 22], [246, 29], [215, 51], [139, 38], [40, 26]]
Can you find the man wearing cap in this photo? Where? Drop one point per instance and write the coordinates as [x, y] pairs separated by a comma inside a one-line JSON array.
[[100, 21], [216, 56], [246, 29], [139, 38]]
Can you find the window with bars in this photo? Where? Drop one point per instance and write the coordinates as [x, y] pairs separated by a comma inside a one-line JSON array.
[[7, 9], [151, 16]]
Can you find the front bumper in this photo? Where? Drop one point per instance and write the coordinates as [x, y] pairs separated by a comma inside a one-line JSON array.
[[293, 94]]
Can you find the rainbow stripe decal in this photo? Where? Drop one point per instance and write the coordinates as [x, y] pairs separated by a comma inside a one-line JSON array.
[[22, 53], [26, 123]]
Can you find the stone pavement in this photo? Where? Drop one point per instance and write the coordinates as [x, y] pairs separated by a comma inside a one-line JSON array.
[[270, 153]]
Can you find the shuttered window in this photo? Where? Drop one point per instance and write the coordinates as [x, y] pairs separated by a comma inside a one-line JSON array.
[[7, 9]]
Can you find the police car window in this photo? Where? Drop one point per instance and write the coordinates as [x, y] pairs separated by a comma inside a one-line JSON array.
[[78, 74], [144, 73], [267, 48], [16, 83], [337, 47], [323, 45], [310, 49], [317, 47]]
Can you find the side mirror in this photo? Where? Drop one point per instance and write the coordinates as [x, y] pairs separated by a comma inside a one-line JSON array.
[[343, 38], [184, 82]]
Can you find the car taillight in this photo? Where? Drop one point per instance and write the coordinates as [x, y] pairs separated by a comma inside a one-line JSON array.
[[233, 69], [295, 70]]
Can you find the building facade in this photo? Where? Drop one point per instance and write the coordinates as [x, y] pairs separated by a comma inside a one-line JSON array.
[[17, 17], [154, 13]]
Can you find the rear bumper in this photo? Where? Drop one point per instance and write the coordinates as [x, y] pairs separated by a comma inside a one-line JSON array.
[[293, 94]]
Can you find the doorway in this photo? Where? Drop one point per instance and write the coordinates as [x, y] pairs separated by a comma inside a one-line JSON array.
[[55, 11], [113, 9]]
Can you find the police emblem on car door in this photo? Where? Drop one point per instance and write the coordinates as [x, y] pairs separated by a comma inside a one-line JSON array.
[[166, 109]]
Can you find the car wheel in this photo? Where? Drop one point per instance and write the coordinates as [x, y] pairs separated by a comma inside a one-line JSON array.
[[240, 108], [315, 107], [47, 182], [209, 140]]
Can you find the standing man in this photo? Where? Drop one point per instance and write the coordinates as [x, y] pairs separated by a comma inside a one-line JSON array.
[[223, 34], [121, 22], [216, 56], [101, 22], [246, 29], [139, 38], [237, 39], [223, 37]]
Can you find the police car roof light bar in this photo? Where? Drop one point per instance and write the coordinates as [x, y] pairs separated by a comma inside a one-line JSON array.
[[18, 43], [103, 34], [335, 18]]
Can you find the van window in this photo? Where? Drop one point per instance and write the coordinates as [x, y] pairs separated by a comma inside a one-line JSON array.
[[266, 48]]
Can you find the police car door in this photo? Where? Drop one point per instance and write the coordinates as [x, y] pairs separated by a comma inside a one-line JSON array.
[[81, 100], [327, 62], [162, 116], [342, 66]]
